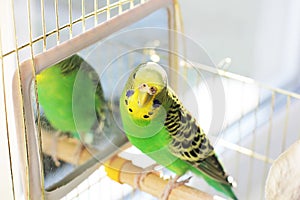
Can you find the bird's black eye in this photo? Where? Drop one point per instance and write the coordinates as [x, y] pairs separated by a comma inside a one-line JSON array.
[[130, 110], [144, 85], [134, 75]]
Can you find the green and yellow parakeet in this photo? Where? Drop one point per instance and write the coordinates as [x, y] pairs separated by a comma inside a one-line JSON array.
[[156, 122], [72, 99]]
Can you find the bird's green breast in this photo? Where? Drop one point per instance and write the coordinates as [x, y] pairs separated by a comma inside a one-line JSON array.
[[152, 139], [68, 108]]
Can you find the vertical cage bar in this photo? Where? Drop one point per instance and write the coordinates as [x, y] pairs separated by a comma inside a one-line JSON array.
[[253, 145], [6, 118], [131, 4], [26, 160], [287, 110], [57, 22], [70, 19], [238, 156], [39, 137], [268, 140], [173, 44], [43, 24], [120, 7], [95, 12], [83, 14], [107, 9]]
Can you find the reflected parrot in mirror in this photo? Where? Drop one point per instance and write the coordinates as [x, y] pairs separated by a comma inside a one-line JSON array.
[[72, 100]]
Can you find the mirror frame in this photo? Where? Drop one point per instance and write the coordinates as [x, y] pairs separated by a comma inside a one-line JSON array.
[[29, 143]]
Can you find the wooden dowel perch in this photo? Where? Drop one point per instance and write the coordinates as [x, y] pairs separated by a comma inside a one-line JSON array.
[[123, 171], [66, 148]]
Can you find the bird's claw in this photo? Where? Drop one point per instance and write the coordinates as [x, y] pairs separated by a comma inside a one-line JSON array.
[[77, 153], [172, 184], [139, 178], [54, 148], [55, 160]]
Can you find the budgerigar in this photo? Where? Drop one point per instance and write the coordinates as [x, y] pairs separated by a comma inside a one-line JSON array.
[[71, 96], [156, 122]]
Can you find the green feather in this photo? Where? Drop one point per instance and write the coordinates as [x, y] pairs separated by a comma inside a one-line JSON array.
[[162, 128], [71, 96]]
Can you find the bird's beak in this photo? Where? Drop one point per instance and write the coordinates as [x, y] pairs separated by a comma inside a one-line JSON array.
[[144, 98]]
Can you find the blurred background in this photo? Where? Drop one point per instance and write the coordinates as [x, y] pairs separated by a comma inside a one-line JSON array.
[[261, 37]]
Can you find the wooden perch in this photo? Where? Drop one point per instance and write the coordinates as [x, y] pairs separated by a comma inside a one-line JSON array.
[[66, 148], [123, 171]]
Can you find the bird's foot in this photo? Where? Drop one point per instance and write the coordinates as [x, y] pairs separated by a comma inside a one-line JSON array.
[[55, 160], [172, 184], [77, 153], [139, 178], [54, 148]]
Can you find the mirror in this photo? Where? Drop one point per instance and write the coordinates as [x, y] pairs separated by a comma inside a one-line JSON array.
[[76, 108]]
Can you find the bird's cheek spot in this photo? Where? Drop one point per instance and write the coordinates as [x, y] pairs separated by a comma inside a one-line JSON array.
[[156, 103], [129, 93]]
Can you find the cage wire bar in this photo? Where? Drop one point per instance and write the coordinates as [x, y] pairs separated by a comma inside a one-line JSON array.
[[271, 117]]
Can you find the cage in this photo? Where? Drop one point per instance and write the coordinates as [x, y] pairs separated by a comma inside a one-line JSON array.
[[249, 123]]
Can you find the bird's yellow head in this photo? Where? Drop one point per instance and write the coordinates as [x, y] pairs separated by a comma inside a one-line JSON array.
[[143, 96]]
